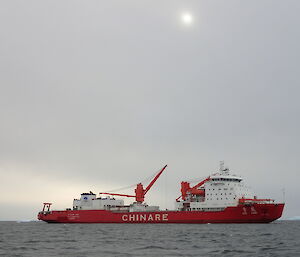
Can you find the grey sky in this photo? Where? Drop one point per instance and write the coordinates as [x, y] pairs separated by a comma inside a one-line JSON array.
[[96, 95]]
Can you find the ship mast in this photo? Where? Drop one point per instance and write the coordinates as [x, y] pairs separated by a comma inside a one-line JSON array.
[[221, 166]]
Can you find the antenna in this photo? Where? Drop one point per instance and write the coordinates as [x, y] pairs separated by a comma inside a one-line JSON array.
[[221, 166]]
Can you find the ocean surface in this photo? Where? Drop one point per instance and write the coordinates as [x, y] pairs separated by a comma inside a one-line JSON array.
[[280, 238]]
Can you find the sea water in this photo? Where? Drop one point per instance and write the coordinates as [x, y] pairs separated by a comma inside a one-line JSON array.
[[280, 238]]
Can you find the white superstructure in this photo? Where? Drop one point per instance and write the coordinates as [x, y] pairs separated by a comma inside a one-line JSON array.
[[220, 190], [89, 201]]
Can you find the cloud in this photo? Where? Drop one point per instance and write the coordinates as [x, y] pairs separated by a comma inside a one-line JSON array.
[[101, 95]]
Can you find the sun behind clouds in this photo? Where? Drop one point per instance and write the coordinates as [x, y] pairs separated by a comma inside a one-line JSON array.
[[187, 18]]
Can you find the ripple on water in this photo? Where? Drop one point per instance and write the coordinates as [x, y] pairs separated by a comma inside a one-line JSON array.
[[41, 239]]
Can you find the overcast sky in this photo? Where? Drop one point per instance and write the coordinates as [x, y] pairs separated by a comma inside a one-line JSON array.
[[96, 95]]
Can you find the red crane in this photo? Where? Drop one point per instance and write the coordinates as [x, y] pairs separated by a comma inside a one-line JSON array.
[[140, 192], [185, 189]]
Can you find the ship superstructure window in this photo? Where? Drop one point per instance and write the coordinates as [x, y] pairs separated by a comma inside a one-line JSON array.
[[227, 179]]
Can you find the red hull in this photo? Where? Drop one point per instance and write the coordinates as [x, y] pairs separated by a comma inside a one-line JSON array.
[[257, 213]]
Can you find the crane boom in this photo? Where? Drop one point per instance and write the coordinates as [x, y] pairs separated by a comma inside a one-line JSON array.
[[201, 183], [140, 191], [154, 180], [185, 188], [117, 194]]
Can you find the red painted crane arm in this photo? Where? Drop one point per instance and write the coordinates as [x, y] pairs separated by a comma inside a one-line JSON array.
[[185, 188], [177, 199], [200, 183], [153, 181], [118, 194]]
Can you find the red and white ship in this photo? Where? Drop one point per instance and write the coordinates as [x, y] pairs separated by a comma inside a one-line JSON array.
[[220, 198]]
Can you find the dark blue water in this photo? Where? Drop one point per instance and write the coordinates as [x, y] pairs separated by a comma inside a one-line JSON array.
[[280, 238]]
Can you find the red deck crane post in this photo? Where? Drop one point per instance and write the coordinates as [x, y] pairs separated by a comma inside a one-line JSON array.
[[140, 192], [185, 189]]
